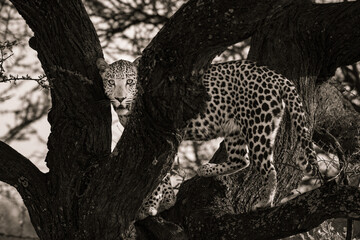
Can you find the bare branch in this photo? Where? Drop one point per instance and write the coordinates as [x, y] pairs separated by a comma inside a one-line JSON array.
[[117, 17], [29, 181], [159, 228], [329, 38], [342, 33], [21, 173], [311, 209], [206, 221]]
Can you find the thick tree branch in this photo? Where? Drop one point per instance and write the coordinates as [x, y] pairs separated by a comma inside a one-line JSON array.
[[321, 37], [342, 32], [20, 172], [160, 229], [28, 180], [310, 209], [68, 47], [204, 219]]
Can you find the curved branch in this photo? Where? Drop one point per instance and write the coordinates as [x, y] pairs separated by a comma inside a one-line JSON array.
[[321, 37], [21, 173], [159, 228], [310, 209], [341, 32], [207, 221], [30, 182]]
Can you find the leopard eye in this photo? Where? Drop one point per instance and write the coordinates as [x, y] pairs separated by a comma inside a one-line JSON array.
[[129, 81]]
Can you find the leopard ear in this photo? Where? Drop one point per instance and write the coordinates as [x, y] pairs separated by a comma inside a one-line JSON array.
[[136, 62], [101, 65]]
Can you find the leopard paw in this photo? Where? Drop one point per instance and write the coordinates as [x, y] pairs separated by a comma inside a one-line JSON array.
[[145, 212]]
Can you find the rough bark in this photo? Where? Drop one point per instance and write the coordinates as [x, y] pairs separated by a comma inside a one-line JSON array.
[[93, 195], [22, 174], [299, 215], [67, 46]]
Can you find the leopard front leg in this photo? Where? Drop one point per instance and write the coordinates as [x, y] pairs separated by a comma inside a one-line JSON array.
[[237, 159], [162, 198], [169, 197]]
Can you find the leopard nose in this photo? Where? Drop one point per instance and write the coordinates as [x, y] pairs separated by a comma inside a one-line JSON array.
[[120, 99]]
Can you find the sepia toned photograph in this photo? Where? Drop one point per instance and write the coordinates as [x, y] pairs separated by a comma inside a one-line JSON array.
[[179, 119]]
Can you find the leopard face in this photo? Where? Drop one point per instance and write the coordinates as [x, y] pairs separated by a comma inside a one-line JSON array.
[[120, 85]]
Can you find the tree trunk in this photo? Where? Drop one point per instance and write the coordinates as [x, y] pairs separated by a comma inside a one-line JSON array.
[[90, 194]]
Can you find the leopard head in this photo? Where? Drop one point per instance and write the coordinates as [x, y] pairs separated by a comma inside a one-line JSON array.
[[120, 80]]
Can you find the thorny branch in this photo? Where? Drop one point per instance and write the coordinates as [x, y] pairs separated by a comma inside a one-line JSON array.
[[5, 54]]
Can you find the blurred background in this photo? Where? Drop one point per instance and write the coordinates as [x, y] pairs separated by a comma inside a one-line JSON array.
[[125, 27]]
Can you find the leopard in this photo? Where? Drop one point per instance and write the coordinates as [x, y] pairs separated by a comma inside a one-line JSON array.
[[246, 106]]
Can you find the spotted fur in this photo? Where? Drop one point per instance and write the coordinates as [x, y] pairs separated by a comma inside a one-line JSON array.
[[162, 198], [119, 80], [246, 107]]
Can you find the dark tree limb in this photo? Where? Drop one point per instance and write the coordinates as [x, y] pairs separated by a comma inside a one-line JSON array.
[[341, 22], [159, 228], [320, 37], [68, 46], [20, 172], [29, 181], [349, 228], [202, 219], [310, 209]]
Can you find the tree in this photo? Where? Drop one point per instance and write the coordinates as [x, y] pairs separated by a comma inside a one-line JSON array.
[[92, 194]]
